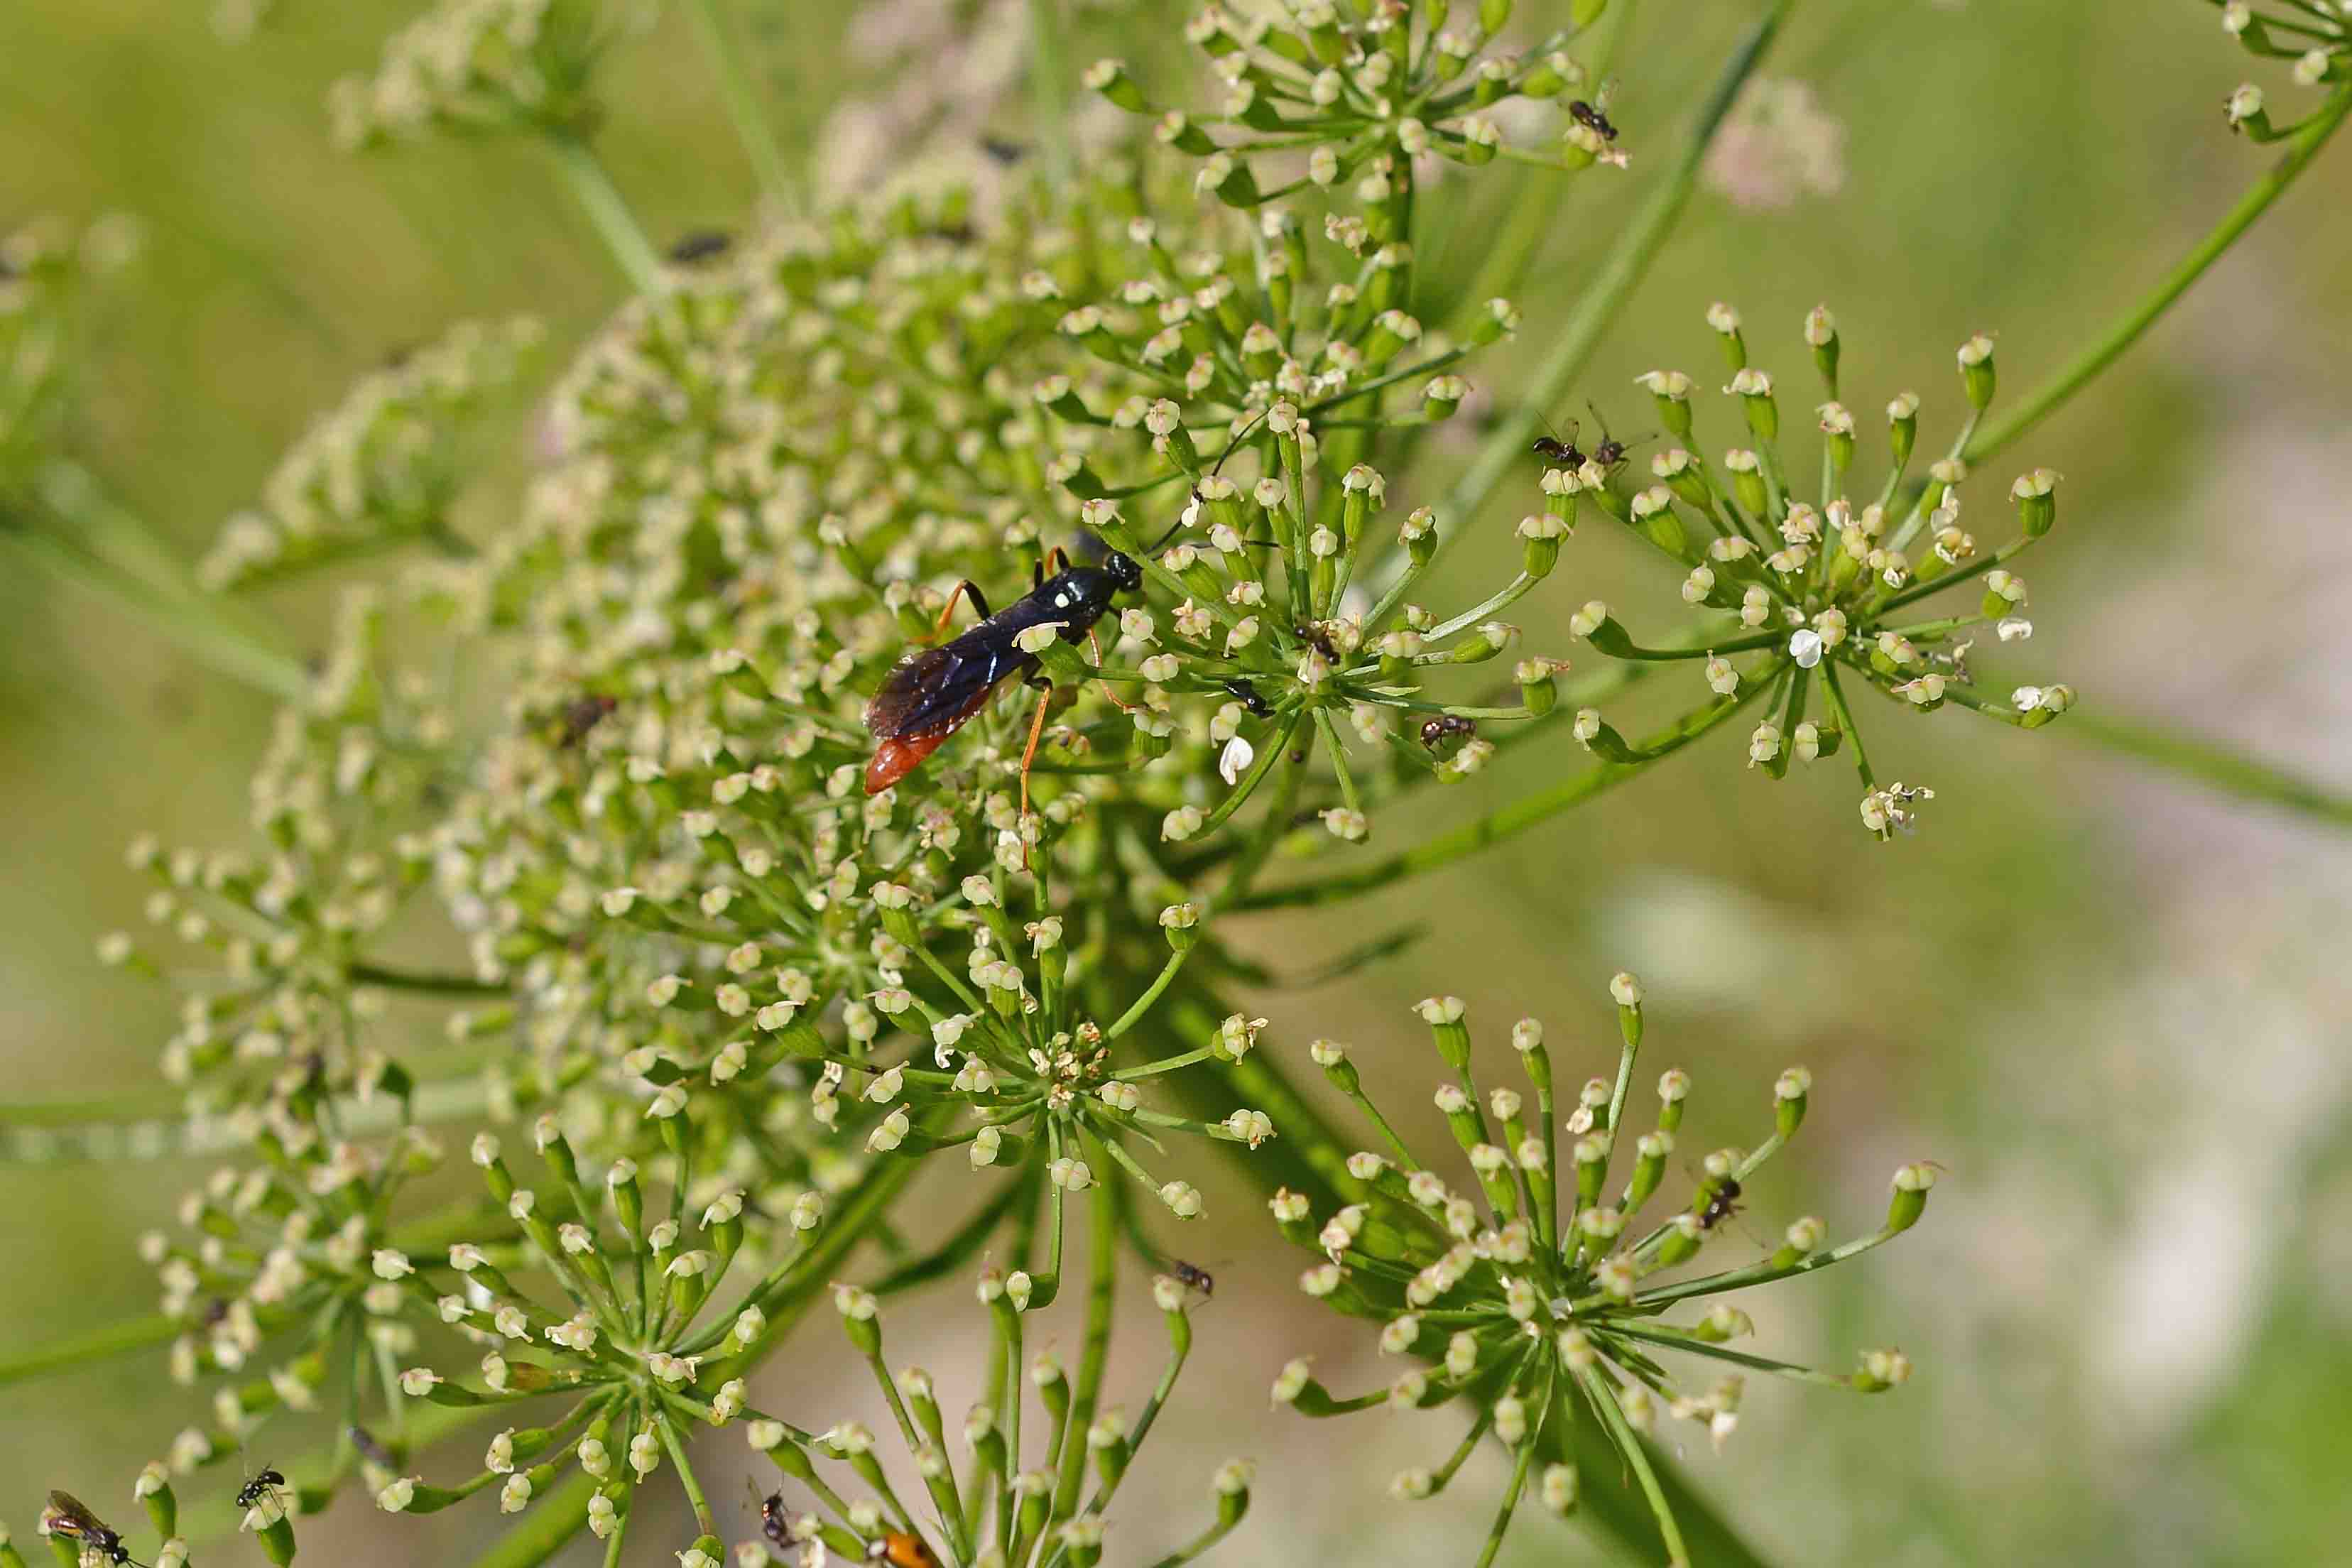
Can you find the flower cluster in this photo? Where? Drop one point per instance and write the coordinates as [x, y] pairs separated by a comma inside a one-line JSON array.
[[379, 468], [2314, 33], [285, 1014], [473, 66], [1533, 1293], [1789, 593], [1002, 1509], [631, 1341]]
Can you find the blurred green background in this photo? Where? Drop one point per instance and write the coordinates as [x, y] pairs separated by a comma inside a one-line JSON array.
[[2113, 1004]]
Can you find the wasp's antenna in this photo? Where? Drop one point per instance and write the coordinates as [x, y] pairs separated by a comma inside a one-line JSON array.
[[1231, 446], [1239, 435]]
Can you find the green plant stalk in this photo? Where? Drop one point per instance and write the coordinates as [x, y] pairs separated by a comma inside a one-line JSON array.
[[191, 621], [607, 213], [1049, 96], [1597, 309], [2301, 148], [553, 1520], [425, 985], [124, 1338], [742, 104], [2230, 772]]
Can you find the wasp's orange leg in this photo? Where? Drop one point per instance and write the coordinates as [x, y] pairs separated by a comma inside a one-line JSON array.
[[1095, 643], [1028, 757], [964, 590]]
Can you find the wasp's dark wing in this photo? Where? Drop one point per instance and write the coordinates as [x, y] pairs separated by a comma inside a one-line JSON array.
[[941, 687], [69, 1518]]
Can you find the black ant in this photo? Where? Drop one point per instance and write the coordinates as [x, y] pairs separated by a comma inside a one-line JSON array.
[[1249, 697], [1192, 1278], [701, 245], [1591, 119], [1435, 732], [1610, 453], [1722, 1201], [67, 1519], [264, 1484], [1556, 453], [1316, 638]]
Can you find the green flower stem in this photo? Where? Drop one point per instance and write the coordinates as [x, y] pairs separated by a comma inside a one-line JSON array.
[[735, 90], [1102, 1261], [676, 1448], [620, 1527], [553, 1519], [1603, 1399], [1510, 592], [1143, 1003], [1682, 1340], [1852, 731], [593, 188], [1510, 1505], [2230, 771], [1049, 91], [393, 979], [192, 621], [1338, 754], [1754, 1274], [1629, 262], [1195, 1547], [126, 1338], [2302, 147], [1505, 823]]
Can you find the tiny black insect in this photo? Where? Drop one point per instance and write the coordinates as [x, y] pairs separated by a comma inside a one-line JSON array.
[[1004, 152], [264, 1484], [1249, 697], [1316, 638], [67, 1519], [370, 1449], [1191, 1276], [1610, 453], [1435, 732], [775, 1522], [581, 715], [1722, 1201], [935, 692], [700, 244], [1591, 119], [1555, 452]]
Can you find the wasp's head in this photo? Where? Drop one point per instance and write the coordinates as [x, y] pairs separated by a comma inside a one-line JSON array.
[[1124, 574]]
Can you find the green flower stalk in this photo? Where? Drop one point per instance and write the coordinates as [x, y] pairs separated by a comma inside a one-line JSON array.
[[1038, 1467], [1537, 1296]]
